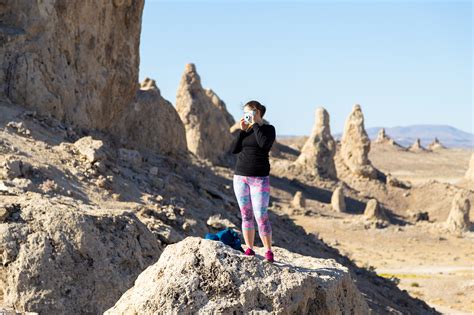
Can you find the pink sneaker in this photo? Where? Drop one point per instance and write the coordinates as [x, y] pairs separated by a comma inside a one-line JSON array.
[[249, 252], [269, 256]]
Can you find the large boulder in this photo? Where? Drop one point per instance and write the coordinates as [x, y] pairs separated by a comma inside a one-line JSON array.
[[61, 258], [458, 219], [75, 60], [317, 154], [197, 276], [205, 118], [338, 203], [355, 145], [151, 122]]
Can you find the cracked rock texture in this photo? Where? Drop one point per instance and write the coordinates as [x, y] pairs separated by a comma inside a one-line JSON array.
[[203, 276]]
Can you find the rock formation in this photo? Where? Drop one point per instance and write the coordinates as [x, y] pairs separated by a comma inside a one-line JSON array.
[[92, 150], [78, 61], [458, 219], [205, 118], [151, 122], [63, 259], [470, 171], [383, 138], [373, 211], [204, 276], [299, 201], [436, 145], [416, 146], [355, 145], [317, 154], [337, 200], [218, 103]]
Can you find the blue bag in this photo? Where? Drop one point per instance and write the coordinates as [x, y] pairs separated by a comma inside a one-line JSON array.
[[228, 237]]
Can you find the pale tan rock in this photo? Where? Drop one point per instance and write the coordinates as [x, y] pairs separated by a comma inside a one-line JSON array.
[[355, 145], [217, 222], [436, 145], [299, 201], [198, 276], [458, 219], [93, 150], [470, 171], [383, 138], [416, 146], [150, 122], [373, 211], [338, 203], [317, 154], [62, 258], [76, 60], [218, 103], [205, 118]]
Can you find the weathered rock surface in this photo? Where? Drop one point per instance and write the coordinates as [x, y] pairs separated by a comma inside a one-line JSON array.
[[76, 60], [61, 259], [317, 154], [299, 200], [205, 118], [93, 150], [373, 211], [355, 145], [203, 276], [151, 122], [337, 200], [458, 219]]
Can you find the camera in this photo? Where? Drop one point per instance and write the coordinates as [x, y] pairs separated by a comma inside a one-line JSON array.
[[248, 117]]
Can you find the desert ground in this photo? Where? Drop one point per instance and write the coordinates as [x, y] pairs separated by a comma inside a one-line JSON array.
[[429, 263]]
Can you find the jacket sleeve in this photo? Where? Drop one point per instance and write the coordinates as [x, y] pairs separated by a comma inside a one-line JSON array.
[[237, 144], [265, 136]]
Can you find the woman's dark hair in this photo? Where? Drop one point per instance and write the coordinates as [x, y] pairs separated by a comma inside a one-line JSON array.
[[257, 106]]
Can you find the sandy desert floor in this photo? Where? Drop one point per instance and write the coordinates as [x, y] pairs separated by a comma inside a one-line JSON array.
[[430, 264]]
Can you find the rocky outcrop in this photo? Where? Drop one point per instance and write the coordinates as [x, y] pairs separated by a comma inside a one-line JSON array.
[[91, 149], [355, 145], [470, 171], [317, 154], [77, 60], [205, 118], [458, 219], [64, 258], [373, 211], [436, 145], [338, 203], [416, 146], [299, 200], [204, 276], [383, 138], [151, 122]]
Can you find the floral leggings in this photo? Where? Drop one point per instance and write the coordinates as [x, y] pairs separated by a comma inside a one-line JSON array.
[[253, 196]]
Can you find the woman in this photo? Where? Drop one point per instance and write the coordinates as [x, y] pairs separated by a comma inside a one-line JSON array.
[[251, 178]]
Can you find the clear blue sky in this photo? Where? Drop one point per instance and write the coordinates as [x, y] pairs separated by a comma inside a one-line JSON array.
[[405, 62]]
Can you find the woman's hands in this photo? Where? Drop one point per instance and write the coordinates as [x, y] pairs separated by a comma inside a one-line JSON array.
[[243, 124], [256, 119]]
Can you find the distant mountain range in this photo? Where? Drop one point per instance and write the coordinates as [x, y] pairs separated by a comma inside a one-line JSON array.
[[405, 135]]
